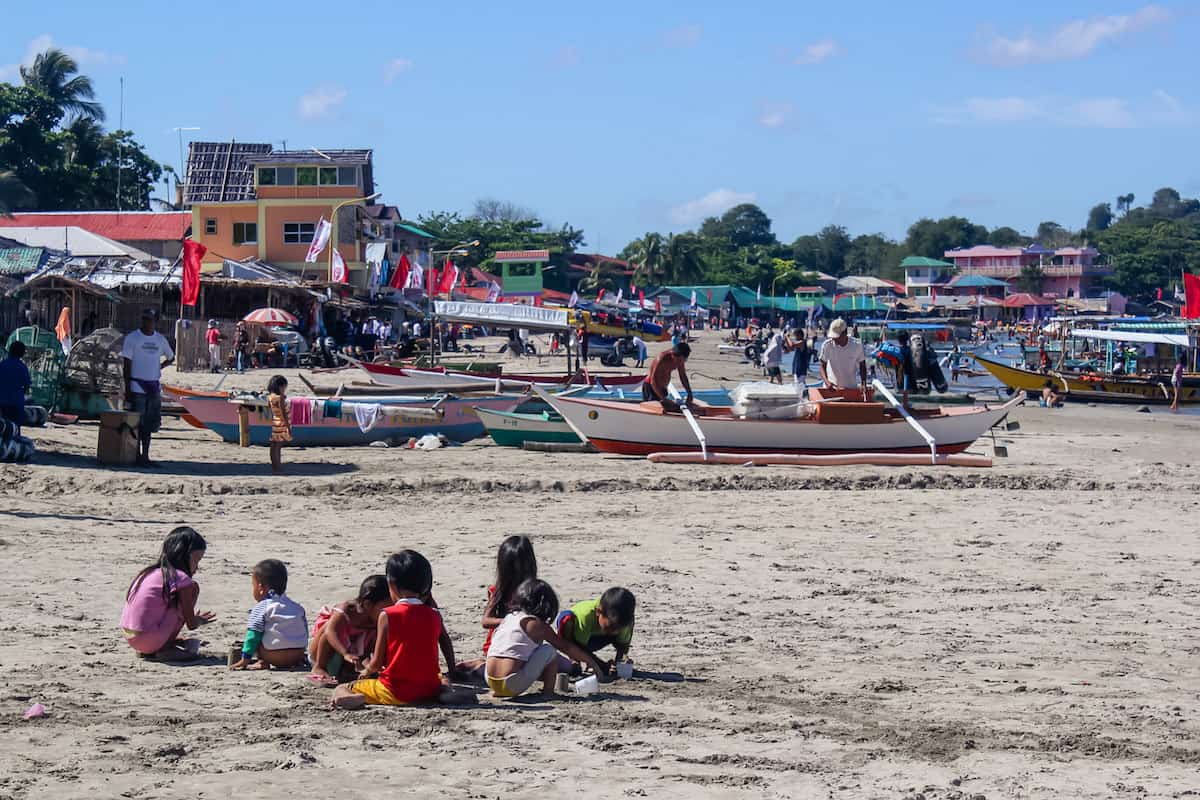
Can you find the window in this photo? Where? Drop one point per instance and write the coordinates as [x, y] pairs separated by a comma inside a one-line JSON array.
[[522, 270], [285, 176], [329, 176], [245, 233], [347, 176], [298, 232], [266, 176], [210, 227], [306, 176]]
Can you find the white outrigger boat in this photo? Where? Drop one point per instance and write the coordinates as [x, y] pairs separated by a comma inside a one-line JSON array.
[[833, 423]]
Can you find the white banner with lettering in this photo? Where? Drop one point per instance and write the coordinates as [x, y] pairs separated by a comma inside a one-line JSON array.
[[504, 315]]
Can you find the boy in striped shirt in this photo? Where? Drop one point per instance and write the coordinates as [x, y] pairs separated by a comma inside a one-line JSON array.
[[277, 629]]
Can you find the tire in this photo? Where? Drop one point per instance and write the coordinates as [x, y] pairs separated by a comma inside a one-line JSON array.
[[530, 350], [752, 352]]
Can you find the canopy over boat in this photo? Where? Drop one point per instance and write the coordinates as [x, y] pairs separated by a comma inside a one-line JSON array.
[[1176, 339], [504, 315]]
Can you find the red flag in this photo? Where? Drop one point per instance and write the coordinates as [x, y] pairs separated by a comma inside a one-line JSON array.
[[600, 296], [1191, 291], [434, 279], [537, 300], [710, 297], [449, 278], [658, 305], [641, 298], [400, 276], [192, 253], [1158, 291]]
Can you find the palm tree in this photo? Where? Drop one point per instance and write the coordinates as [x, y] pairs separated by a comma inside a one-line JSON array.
[[86, 138], [603, 276], [650, 260], [13, 194], [56, 74], [683, 262]]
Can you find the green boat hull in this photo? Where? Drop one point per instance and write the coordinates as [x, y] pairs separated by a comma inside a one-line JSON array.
[[509, 429]]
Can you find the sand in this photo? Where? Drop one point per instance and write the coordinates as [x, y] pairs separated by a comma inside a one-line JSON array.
[[1027, 631]]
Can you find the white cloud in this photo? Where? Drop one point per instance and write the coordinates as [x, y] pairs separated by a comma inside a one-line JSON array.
[[84, 56], [1167, 102], [682, 36], [817, 52], [1105, 112], [318, 102], [775, 115], [1072, 40], [709, 205], [395, 68]]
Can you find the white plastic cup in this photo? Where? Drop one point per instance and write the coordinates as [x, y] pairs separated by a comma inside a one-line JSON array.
[[625, 670], [589, 685]]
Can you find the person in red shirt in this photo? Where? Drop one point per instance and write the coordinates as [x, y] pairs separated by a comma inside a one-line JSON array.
[[406, 644], [214, 346]]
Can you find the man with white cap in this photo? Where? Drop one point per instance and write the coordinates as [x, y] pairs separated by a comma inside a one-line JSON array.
[[213, 337], [843, 362]]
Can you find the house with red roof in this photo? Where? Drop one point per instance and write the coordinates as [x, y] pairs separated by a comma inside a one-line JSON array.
[[158, 233]]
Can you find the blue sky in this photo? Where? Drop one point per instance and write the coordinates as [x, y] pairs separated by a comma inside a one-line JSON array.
[[628, 117]]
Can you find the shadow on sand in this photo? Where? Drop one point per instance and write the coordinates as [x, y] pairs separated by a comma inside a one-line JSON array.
[[207, 468]]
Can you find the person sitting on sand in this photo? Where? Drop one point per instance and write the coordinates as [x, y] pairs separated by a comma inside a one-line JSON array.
[[515, 564], [277, 628], [345, 633], [405, 661], [654, 388], [1050, 398], [162, 599], [595, 624], [525, 648]]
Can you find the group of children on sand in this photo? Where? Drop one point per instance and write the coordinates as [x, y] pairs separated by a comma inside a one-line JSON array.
[[382, 647]]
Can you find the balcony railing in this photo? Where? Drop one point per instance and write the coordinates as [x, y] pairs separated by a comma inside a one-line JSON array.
[[1050, 270]]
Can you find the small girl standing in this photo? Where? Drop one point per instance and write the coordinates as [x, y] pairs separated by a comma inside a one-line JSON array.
[[525, 647], [162, 599], [515, 564], [343, 634], [281, 421]]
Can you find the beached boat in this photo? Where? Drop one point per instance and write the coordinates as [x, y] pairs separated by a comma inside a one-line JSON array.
[[1095, 388], [838, 425], [336, 422]]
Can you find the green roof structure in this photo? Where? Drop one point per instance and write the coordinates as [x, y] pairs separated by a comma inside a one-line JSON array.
[[922, 261], [21, 260]]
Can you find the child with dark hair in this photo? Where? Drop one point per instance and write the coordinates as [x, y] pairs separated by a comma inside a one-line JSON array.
[[406, 643], [595, 624], [525, 647], [345, 633], [281, 421], [515, 564], [277, 629], [162, 599]]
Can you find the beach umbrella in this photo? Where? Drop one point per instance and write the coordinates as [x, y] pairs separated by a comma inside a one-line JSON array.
[[270, 316]]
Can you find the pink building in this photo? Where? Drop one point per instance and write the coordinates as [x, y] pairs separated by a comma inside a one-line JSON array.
[[1069, 271]]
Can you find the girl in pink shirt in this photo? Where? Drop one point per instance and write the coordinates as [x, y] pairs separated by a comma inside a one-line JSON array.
[[162, 599]]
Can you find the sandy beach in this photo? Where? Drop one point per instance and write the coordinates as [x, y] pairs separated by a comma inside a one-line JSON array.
[[1025, 631]]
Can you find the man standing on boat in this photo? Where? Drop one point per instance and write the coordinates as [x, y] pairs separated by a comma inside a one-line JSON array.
[[843, 362], [654, 388]]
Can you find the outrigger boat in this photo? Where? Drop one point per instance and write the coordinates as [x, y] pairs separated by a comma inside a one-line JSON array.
[[1095, 388], [401, 377], [840, 423]]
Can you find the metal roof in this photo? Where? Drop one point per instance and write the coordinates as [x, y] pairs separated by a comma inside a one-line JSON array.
[[120, 225], [521, 256], [75, 241], [21, 260], [220, 172], [414, 229], [344, 158]]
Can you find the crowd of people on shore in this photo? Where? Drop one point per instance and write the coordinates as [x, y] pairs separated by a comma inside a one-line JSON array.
[[382, 647]]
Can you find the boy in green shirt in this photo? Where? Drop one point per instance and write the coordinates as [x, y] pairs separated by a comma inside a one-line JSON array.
[[595, 624]]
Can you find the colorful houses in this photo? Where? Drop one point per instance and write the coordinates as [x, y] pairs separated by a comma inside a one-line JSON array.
[[1067, 271]]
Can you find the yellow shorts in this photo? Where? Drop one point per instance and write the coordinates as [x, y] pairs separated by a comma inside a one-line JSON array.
[[499, 686], [376, 693]]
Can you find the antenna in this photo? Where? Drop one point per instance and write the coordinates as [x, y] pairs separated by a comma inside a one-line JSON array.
[[322, 155], [182, 164]]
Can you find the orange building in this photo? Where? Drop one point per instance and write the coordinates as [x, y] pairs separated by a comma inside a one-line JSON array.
[[250, 201]]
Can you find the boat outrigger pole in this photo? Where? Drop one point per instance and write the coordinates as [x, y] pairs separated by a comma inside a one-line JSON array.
[[916, 426], [687, 414]]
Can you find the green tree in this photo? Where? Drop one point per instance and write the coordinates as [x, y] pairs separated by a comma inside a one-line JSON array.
[[1100, 218], [605, 276], [649, 259], [743, 225], [1124, 203], [683, 262], [1005, 236], [1031, 279], [1051, 234], [932, 238], [56, 75], [874, 254], [13, 194]]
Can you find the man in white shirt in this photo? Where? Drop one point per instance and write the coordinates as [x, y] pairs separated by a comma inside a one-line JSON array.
[[416, 329], [843, 362], [144, 353], [640, 346], [773, 357]]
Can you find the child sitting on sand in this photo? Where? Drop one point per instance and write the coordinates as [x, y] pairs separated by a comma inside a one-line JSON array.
[[595, 624], [344, 634], [162, 599], [281, 421], [406, 643], [276, 631], [524, 647], [515, 564]]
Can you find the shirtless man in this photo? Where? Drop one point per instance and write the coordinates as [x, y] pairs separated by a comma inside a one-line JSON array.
[[659, 375]]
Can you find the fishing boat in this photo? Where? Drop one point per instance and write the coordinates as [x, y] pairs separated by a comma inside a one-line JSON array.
[[618, 324], [337, 422], [536, 421], [839, 423], [1097, 387], [405, 376]]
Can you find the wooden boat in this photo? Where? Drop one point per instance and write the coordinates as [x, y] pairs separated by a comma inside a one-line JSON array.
[[400, 417], [1095, 388], [618, 324], [544, 424], [841, 424]]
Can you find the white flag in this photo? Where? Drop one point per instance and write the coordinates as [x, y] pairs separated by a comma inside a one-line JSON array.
[[415, 277], [493, 292], [574, 301], [619, 294], [338, 273], [758, 295], [320, 239], [693, 298]]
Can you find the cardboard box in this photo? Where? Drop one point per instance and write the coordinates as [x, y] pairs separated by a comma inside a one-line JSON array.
[[118, 443]]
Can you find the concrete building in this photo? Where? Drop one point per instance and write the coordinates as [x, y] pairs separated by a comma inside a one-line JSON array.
[[1069, 271]]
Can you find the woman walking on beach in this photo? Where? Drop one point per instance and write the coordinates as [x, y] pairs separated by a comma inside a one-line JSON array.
[[1177, 383], [281, 421]]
